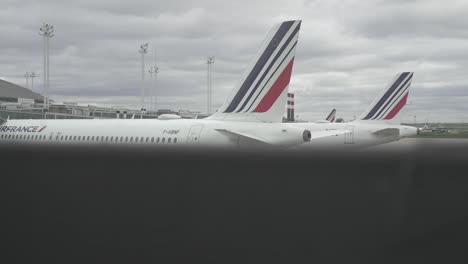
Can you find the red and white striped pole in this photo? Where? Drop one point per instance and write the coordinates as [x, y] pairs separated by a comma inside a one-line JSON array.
[[290, 111], [292, 107]]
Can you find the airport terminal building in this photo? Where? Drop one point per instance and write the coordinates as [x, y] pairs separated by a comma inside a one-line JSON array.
[[18, 102], [14, 95]]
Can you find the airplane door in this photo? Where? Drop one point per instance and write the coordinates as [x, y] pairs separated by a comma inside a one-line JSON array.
[[349, 137], [194, 134], [51, 137]]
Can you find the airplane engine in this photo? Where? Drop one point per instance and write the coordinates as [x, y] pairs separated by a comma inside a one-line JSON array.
[[408, 131], [168, 117], [290, 136], [306, 135]]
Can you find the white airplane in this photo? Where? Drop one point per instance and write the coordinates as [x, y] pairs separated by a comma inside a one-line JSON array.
[[250, 116], [377, 125]]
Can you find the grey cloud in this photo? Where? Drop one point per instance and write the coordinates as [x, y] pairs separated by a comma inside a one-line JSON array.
[[347, 51], [411, 19]]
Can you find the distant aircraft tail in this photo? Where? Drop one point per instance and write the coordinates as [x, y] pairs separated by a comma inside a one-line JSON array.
[[390, 101], [261, 94], [331, 116]]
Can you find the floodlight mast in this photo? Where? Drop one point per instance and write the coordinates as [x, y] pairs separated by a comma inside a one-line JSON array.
[[156, 71], [143, 50], [48, 65], [154, 94], [209, 62], [151, 71], [27, 79], [47, 31], [32, 75], [43, 32]]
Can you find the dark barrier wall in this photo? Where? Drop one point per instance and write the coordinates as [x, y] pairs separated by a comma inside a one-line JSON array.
[[98, 205]]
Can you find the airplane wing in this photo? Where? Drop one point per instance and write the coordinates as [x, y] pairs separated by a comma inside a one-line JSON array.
[[314, 134], [387, 132], [241, 134]]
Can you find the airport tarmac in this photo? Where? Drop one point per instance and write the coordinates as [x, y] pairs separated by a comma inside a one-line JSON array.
[[409, 144]]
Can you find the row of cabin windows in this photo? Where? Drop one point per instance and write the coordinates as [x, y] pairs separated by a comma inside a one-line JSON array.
[[25, 137], [92, 138]]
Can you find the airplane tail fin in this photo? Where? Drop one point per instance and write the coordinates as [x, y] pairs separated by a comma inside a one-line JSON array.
[[390, 101], [331, 116], [262, 91]]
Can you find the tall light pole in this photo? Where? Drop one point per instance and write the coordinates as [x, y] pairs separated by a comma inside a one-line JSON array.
[[153, 70], [143, 50], [155, 92], [47, 31], [156, 71], [32, 75], [27, 79], [209, 61]]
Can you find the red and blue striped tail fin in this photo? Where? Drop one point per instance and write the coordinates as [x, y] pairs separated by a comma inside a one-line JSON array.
[[331, 116], [262, 91], [391, 100]]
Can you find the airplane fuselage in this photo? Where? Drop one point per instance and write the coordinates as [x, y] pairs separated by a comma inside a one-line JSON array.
[[185, 132], [175, 132]]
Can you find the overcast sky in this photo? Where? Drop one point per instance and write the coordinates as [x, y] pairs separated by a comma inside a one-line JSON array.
[[347, 51]]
